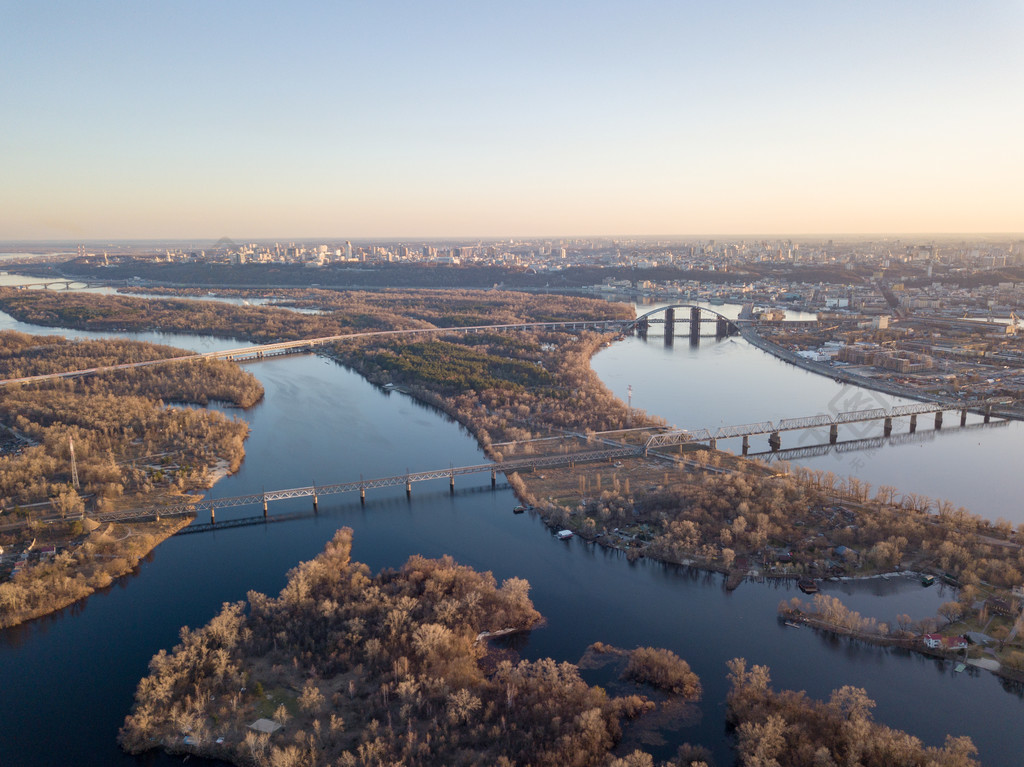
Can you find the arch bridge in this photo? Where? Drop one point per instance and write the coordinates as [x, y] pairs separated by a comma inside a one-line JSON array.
[[693, 315], [61, 284]]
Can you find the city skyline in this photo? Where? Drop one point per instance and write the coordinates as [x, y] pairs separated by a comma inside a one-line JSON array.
[[398, 120]]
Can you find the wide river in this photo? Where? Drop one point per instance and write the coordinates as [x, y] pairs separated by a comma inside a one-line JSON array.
[[67, 680]]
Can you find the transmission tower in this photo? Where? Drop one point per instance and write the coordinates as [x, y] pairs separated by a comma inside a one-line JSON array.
[[74, 466]]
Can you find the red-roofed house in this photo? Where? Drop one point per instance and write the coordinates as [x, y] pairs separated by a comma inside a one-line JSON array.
[[939, 642]]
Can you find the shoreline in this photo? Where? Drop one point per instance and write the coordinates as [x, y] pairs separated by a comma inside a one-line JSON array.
[[167, 528], [521, 486], [844, 376]]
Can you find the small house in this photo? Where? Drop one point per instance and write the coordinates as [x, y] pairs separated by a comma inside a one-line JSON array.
[[956, 643], [268, 726], [933, 641]]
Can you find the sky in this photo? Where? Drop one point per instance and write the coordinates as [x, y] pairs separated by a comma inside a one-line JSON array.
[[356, 119]]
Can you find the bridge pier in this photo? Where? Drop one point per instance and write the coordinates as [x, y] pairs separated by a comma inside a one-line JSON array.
[[963, 417], [408, 488], [746, 444], [774, 441], [913, 423], [494, 479], [670, 325], [213, 515], [451, 484], [264, 505], [641, 328], [694, 324], [713, 444], [721, 328], [938, 419], [362, 495], [833, 434], [315, 499], [887, 426], [988, 413]]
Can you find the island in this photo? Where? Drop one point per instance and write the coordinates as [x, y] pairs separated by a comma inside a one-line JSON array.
[[75, 450]]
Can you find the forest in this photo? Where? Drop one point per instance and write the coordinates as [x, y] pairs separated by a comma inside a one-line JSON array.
[[395, 668], [130, 449], [775, 728]]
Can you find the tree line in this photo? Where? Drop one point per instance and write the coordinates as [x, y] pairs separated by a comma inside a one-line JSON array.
[[390, 668]]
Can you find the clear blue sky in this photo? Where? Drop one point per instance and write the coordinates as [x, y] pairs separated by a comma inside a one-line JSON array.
[[404, 119]]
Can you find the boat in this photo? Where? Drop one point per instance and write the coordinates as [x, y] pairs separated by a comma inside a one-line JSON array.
[[519, 509], [792, 625], [564, 535], [927, 580], [807, 585]]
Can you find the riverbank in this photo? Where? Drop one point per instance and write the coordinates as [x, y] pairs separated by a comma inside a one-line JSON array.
[[92, 563], [839, 374], [709, 509]]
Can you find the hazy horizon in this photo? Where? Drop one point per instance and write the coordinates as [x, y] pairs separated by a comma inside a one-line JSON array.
[[402, 120]]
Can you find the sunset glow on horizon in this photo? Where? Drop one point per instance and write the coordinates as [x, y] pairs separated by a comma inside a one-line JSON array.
[[401, 119]]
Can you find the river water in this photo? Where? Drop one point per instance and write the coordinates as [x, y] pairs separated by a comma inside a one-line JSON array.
[[68, 679]]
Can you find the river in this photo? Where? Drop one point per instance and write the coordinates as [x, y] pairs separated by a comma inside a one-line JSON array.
[[68, 679]]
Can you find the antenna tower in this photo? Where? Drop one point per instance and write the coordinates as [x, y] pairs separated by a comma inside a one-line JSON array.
[[74, 466]]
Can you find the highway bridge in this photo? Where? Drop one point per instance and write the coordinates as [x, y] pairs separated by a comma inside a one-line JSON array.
[[724, 326], [63, 284], [261, 351]]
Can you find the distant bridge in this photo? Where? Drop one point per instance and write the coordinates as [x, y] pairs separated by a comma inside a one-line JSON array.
[[62, 284], [723, 327], [310, 344]]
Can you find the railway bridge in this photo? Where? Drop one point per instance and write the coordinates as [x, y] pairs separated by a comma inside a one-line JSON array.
[[607, 446], [823, 420]]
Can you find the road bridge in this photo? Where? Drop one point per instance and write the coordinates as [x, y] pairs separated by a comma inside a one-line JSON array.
[[696, 316], [723, 327], [261, 351], [60, 284]]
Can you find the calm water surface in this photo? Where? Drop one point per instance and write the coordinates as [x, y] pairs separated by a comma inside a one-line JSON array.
[[68, 679], [728, 382]]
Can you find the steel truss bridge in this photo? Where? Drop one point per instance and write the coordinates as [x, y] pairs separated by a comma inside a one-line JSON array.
[[822, 420], [856, 445], [362, 485], [611, 449]]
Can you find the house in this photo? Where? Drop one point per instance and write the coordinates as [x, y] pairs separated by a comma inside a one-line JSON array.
[[269, 726], [956, 643], [939, 642]]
